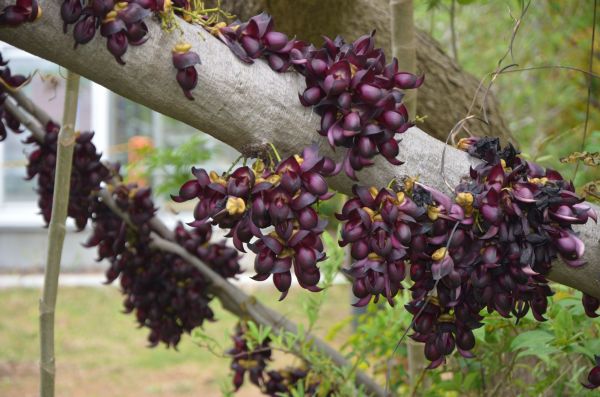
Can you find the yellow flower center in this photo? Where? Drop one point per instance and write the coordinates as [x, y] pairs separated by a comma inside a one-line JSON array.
[[439, 254], [433, 212], [539, 181], [235, 206], [446, 318], [400, 198], [463, 144], [182, 48], [121, 5], [374, 191], [374, 257], [111, 16], [464, 199], [258, 167]]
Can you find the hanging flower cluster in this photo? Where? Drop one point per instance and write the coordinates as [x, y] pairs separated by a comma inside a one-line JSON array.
[[86, 175], [168, 295], [357, 94], [280, 197], [122, 23], [273, 383], [486, 247], [8, 83], [244, 359], [221, 258], [21, 12]]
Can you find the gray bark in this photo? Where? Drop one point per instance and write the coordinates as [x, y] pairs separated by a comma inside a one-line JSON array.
[[448, 91], [248, 105]]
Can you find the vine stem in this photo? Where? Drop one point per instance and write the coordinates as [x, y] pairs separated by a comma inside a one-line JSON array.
[[275, 152], [56, 235]]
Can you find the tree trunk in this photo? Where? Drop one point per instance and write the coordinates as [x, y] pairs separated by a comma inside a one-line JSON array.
[[448, 91]]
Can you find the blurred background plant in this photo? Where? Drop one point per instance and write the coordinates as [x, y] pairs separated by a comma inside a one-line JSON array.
[[545, 108]]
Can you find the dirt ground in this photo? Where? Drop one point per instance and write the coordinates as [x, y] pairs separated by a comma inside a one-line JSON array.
[[101, 353]]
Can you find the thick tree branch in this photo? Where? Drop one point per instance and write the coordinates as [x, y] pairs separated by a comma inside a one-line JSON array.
[[448, 91], [244, 105]]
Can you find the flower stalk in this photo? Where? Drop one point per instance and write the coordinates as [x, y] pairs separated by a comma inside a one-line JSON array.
[[56, 236]]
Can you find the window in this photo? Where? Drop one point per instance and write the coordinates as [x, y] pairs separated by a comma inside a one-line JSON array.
[[114, 119]]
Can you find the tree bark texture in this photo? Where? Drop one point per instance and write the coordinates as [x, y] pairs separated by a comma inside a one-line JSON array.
[[448, 91]]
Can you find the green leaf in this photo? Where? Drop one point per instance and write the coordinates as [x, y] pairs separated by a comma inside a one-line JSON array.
[[531, 339], [563, 324]]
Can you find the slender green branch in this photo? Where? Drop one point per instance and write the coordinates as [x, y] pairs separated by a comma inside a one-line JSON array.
[[56, 235]]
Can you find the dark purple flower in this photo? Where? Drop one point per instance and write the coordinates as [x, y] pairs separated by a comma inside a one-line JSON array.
[[184, 61]]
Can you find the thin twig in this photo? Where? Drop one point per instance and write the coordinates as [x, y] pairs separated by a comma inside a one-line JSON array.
[[456, 129], [589, 89], [56, 235], [453, 30]]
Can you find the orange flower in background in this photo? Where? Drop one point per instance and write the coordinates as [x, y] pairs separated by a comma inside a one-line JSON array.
[[137, 147]]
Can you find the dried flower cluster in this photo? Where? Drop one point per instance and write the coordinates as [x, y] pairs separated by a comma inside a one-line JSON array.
[[357, 95], [280, 197], [486, 247]]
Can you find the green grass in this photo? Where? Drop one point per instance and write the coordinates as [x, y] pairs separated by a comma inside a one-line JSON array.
[[101, 352]]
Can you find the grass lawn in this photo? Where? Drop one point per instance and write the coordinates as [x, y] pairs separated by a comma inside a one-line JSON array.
[[101, 352]]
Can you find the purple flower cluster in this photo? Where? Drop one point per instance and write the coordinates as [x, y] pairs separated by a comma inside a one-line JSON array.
[[87, 174], [244, 359], [357, 94], [486, 247], [221, 258], [19, 13], [273, 383], [10, 82], [168, 295], [279, 197], [376, 225], [122, 23]]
